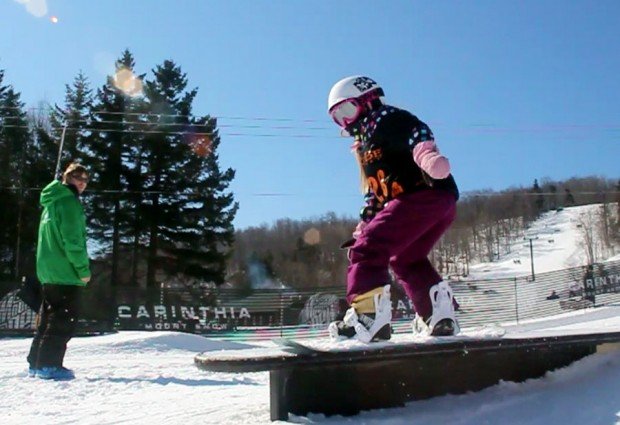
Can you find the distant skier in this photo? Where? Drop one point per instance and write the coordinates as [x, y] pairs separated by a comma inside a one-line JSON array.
[[553, 296], [63, 269], [410, 202]]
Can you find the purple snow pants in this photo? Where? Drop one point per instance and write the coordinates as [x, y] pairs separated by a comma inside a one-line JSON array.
[[401, 236]]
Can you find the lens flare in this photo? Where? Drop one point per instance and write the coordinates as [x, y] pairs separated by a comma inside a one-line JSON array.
[[54, 20], [127, 82], [200, 145], [312, 236]]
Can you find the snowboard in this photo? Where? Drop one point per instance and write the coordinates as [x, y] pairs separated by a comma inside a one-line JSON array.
[[292, 353], [325, 345]]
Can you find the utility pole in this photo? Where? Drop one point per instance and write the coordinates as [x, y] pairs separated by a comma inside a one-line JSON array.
[[531, 238], [62, 142]]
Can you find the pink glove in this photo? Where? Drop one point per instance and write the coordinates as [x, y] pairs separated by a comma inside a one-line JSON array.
[[359, 228], [428, 158]]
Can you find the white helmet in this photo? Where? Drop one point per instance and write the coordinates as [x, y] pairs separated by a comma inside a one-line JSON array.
[[352, 88]]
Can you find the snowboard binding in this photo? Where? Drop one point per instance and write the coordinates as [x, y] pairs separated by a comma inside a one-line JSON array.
[[368, 319], [443, 319]]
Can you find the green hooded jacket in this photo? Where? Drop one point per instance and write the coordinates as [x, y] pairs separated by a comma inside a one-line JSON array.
[[61, 250]]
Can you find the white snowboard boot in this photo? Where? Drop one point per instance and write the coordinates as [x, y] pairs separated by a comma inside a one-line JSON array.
[[443, 320], [368, 319]]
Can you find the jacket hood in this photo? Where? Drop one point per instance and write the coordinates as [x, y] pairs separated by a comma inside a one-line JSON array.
[[53, 192]]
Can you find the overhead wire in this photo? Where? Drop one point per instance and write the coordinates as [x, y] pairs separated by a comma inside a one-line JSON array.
[[176, 133], [183, 125], [190, 129], [529, 127], [90, 125], [189, 116], [357, 195]]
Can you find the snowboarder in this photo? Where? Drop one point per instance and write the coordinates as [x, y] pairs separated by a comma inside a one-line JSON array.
[[63, 269], [410, 202]]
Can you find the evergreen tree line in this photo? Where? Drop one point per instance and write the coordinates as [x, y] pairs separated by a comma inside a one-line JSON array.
[[158, 204], [305, 254]]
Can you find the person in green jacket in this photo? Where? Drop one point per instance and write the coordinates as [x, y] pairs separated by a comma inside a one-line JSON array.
[[63, 270]]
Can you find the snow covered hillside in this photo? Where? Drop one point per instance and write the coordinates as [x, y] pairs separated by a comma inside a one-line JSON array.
[[557, 243]]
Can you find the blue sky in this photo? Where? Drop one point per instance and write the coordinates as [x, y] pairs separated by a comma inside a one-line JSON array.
[[513, 90]]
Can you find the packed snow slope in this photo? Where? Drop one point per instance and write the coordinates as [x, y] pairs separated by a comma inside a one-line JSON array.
[[557, 243]]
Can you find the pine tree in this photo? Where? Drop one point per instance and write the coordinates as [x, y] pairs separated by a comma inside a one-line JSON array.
[[539, 199], [39, 160], [73, 119], [27, 155], [14, 142], [110, 152], [45, 148], [189, 212], [569, 199], [8, 201], [553, 204]]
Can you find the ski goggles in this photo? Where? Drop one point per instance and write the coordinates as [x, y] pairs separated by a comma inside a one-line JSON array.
[[346, 112]]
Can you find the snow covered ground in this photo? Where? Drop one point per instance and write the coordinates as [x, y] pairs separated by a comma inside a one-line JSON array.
[[150, 377], [147, 378]]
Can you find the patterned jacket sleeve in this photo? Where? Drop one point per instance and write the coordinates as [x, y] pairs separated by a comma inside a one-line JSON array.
[[426, 154]]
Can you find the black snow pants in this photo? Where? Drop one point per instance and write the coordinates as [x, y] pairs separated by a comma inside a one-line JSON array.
[[58, 318]]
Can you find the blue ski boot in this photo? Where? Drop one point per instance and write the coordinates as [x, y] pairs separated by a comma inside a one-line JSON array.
[[55, 373]]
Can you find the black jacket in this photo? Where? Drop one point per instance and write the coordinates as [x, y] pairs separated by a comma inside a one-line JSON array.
[[386, 139]]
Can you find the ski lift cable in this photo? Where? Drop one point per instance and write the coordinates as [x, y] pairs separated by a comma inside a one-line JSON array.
[[284, 134]]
